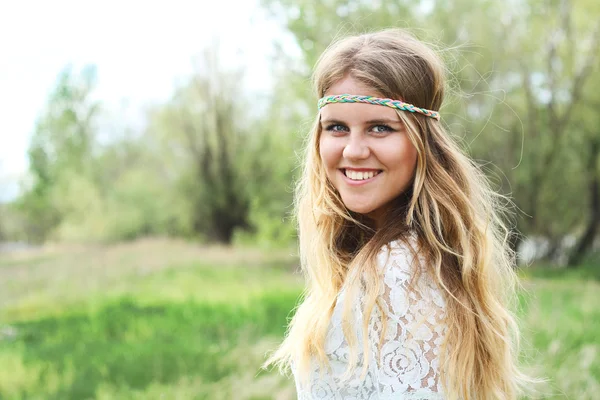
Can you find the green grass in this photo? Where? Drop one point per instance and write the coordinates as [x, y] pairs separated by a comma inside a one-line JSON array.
[[584, 272], [31, 260], [561, 328], [169, 320], [180, 329], [125, 344]]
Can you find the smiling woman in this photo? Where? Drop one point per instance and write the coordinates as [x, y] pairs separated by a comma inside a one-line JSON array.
[[367, 154], [409, 275]]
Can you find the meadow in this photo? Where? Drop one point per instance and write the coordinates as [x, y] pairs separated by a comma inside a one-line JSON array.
[[165, 319]]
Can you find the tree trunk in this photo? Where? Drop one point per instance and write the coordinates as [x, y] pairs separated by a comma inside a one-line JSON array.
[[587, 240]]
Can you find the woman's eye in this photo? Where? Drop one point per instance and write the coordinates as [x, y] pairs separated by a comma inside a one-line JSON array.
[[381, 129], [336, 128]]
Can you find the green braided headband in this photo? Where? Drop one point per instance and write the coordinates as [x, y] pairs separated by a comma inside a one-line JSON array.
[[397, 104]]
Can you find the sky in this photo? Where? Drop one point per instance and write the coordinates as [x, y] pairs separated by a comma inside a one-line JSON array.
[[141, 49]]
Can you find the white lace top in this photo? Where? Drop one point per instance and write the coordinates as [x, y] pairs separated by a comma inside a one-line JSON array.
[[408, 365]]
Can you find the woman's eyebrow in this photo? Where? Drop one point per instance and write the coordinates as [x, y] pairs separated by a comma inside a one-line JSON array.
[[383, 121], [332, 121], [369, 122]]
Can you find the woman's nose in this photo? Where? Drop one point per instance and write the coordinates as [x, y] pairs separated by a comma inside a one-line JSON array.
[[356, 148]]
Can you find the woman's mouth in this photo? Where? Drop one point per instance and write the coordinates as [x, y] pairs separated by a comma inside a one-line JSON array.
[[362, 175]]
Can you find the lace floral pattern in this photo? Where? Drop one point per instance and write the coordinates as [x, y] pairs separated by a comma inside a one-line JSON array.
[[407, 366]]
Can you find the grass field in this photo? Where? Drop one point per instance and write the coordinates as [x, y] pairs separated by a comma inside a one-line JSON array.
[[162, 319]]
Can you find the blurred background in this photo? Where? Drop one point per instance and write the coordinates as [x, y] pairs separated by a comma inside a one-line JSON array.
[[148, 152]]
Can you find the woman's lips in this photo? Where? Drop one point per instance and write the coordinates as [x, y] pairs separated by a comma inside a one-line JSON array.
[[358, 173]]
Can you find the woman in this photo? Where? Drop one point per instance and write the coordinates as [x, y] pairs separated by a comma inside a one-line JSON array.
[[409, 276]]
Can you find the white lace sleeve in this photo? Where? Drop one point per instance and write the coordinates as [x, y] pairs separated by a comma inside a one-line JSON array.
[[408, 365]]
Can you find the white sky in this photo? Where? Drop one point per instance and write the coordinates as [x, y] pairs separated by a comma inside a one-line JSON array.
[[141, 50]]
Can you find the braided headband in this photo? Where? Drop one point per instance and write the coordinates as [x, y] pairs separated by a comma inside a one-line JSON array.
[[397, 104]]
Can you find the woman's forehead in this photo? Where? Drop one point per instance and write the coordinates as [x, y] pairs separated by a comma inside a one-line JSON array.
[[349, 85], [357, 113]]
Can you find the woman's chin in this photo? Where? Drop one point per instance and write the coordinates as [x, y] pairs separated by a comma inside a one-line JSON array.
[[360, 208], [374, 212]]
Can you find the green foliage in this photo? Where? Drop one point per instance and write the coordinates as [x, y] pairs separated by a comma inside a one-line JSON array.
[[61, 145], [196, 171], [271, 182], [522, 96], [234, 172], [2, 223], [198, 125], [519, 89]]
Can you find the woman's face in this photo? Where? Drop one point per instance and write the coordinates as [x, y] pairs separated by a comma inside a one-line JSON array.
[[366, 151]]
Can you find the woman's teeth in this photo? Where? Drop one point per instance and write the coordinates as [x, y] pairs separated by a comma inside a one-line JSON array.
[[359, 176]]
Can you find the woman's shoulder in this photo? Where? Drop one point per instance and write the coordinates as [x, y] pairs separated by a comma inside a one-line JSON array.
[[401, 253], [402, 260]]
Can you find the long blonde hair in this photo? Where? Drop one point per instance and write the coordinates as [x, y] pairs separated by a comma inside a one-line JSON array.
[[458, 220]]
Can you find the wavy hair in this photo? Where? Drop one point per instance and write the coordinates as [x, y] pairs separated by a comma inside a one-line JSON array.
[[458, 220]]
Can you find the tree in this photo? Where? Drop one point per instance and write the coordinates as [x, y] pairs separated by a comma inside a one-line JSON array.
[[205, 130], [517, 84], [61, 145], [587, 121]]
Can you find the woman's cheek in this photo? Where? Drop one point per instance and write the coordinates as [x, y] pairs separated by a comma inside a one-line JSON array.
[[328, 153]]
